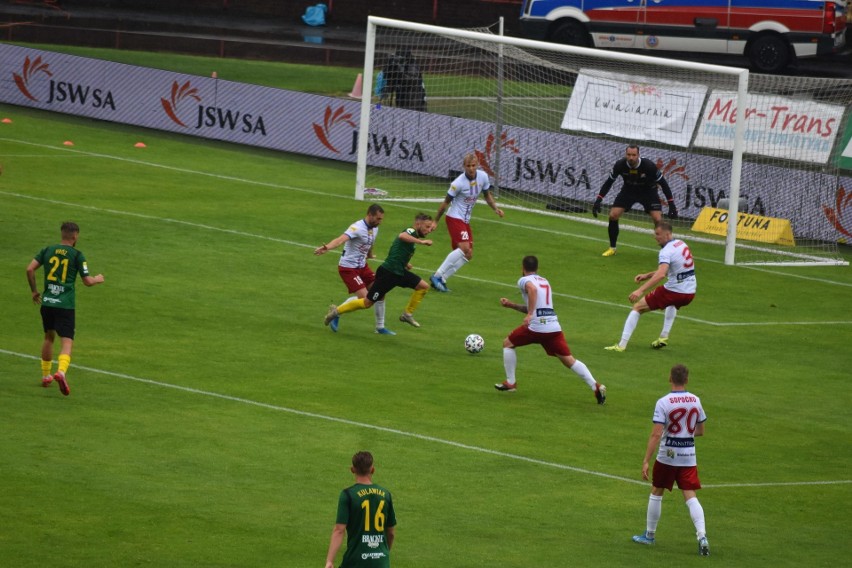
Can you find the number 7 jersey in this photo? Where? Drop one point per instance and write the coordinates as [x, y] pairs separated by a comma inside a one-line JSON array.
[[545, 320]]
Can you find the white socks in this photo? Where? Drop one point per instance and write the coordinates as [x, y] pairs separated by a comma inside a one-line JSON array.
[[655, 509], [696, 512], [451, 264], [380, 314], [510, 363], [668, 321], [629, 326], [580, 368]]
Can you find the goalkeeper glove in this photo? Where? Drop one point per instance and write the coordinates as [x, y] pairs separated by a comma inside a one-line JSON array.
[[672, 210], [596, 208]]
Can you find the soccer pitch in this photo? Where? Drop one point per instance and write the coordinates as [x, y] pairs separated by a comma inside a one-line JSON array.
[[212, 416]]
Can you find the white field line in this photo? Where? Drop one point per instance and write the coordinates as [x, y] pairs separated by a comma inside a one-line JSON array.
[[414, 435], [480, 280], [327, 195]]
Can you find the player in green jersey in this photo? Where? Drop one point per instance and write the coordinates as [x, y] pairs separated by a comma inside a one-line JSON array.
[[365, 513], [62, 263], [395, 272]]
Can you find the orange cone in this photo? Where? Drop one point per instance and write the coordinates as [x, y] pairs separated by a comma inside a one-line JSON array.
[[6, 121], [357, 88], [139, 145], [68, 143]]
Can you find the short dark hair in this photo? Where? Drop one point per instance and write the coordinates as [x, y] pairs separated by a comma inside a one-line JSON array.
[[362, 463], [530, 263], [665, 225], [679, 374], [633, 146], [374, 208], [69, 228], [422, 217]]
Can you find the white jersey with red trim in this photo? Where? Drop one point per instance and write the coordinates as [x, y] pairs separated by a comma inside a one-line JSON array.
[[681, 273], [464, 193], [357, 248], [679, 412], [545, 320]]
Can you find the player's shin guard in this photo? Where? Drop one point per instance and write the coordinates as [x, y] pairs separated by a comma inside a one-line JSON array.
[[64, 363], [629, 327], [415, 299], [379, 308], [696, 512], [510, 363], [351, 305], [668, 320], [655, 509], [580, 368], [613, 232]]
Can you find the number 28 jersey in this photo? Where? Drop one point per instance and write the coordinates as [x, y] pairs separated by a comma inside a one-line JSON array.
[[679, 412], [545, 320]]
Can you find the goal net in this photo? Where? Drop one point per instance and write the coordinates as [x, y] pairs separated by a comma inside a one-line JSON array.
[[548, 122]]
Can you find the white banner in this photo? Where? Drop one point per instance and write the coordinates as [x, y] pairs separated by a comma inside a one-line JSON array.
[[776, 126], [553, 165], [636, 108]]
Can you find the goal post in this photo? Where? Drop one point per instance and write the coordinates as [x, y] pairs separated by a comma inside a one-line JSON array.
[[547, 122]]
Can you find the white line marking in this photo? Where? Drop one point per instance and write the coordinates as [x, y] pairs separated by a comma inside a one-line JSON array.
[[310, 246], [414, 435]]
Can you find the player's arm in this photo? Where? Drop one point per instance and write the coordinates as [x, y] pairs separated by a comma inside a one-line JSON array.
[[337, 535], [699, 429], [489, 199], [92, 280], [651, 279], [332, 245], [443, 207], [31, 268], [667, 191], [532, 300], [506, 303], [391, 534], [407, 237], [596, 207], [651, 449]]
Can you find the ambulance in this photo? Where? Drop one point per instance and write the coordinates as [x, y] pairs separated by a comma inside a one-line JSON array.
[[772, 34]]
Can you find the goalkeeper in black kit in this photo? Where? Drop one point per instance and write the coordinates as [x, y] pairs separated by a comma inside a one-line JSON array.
[[641, 178]]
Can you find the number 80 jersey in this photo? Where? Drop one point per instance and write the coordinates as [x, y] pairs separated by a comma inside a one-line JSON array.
[[679, 412]]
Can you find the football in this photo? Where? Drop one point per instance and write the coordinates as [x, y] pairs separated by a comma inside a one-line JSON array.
[[474, 343]]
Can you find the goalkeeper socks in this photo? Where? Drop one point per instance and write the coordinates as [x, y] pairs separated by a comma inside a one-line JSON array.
[[696, 512], [351, 305], [46, 367], [668, 321], [580, 368], [414, 300], [64, 363], [380, 314], [629, 326], [613, 232], [510, 363], [655, 509]]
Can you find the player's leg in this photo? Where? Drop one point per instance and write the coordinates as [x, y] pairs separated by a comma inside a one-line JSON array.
[[47, 357], [510, 364], [668, 321], [689, 483], [663, 478], [461, 237], [615, 214], [519, 337], [558, 347], [64, 323], [420, 286]]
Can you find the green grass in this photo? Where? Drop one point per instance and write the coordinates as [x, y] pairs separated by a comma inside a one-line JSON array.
[[212, 416]]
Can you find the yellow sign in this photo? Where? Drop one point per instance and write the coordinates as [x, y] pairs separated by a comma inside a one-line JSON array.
[[749, 227]]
